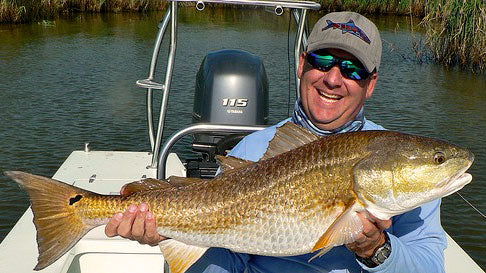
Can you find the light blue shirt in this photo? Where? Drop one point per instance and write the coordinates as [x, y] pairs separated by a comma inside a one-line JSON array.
[[417, 237]]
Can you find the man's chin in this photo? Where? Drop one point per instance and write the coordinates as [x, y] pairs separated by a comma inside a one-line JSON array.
[[327, 124]]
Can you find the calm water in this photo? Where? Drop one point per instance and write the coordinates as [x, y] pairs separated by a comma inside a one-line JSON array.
[[68, 82]]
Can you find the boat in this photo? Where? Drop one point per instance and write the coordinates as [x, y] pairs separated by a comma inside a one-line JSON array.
[[217, 127]]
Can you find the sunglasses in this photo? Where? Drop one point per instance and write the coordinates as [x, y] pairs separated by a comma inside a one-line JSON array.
[[353, 70]]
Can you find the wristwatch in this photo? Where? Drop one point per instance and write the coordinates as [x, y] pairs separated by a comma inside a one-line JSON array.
[[379, 256]]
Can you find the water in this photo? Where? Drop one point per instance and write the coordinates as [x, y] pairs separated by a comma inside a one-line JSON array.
[[67, 82]]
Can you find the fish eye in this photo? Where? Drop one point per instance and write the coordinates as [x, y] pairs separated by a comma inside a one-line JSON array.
[[439, 157]]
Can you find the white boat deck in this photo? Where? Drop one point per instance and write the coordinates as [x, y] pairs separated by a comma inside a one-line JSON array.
[[96, 253]]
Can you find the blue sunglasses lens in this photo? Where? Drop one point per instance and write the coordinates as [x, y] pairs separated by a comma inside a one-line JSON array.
[[349, 69]]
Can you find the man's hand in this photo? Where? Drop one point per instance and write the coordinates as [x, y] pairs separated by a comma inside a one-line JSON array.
[[137, 223], [372, 236]]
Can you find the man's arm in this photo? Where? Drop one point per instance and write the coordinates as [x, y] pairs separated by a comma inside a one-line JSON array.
[[418, 242]]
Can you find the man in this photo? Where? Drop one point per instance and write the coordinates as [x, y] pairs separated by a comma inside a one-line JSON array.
[[338, 72]]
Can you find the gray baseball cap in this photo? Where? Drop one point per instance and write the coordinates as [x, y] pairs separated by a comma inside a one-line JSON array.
[[351, 32]]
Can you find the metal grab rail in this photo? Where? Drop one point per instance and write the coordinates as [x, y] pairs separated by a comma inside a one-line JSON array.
[[300, 43], [168, 80], [171, 14], [198, 128], [149, 83]]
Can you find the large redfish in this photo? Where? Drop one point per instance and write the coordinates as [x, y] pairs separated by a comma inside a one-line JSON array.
[[302, 196]]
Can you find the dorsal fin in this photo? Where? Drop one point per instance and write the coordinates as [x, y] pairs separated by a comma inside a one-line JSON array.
[[228, 163], [178, 181], [146, 184], [180, 256], [150, 184], [288, 137]]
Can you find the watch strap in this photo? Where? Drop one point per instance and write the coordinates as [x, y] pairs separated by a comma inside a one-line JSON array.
[[379, 256]]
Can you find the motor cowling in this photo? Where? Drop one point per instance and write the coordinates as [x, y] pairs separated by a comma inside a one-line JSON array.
[[232, 89]]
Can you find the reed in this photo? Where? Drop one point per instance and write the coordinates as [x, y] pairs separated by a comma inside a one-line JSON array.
[[397, 7], [456, 32], [17, 11], [20, 11]]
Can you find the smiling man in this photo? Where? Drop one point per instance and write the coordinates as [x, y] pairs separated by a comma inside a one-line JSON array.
[[330, 99], [338, 73]]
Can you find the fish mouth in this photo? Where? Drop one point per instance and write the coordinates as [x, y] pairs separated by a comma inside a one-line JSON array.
[[329, 97], [457, 182]]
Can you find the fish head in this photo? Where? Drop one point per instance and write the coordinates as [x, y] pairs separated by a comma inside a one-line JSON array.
[[404, 171]]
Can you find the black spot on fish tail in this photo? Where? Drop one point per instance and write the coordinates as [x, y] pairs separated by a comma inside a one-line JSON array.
[[75, 199]]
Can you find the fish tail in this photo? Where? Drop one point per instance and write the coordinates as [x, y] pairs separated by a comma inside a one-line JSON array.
[[56, 215]]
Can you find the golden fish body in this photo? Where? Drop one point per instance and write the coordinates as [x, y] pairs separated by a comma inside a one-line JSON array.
[[302, 196]]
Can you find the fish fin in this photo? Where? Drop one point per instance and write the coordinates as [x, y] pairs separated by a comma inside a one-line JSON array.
[[180, 256], [228, 163], [54, 204], [288, 137], [150, 184], [178, 181], [145, 185], [343, 230]]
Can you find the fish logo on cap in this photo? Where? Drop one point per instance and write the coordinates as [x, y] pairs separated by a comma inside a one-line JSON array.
[[348, 27]]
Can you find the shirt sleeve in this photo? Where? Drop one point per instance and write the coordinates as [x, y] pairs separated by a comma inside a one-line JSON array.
[[417, 242]]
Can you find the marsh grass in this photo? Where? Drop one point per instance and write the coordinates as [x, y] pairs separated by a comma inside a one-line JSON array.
[[20, 11], [456, 32], [416, 7]]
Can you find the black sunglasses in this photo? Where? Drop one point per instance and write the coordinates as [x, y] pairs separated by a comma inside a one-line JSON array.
[[350, 69]]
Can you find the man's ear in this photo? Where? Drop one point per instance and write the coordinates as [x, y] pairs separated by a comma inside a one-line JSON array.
[[301, 64], [371, 85]]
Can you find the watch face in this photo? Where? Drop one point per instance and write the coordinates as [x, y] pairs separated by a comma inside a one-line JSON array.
[[382, 253]]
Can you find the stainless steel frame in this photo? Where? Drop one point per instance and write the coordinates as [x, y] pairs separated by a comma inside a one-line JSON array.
[[298, 8], [198, 128]]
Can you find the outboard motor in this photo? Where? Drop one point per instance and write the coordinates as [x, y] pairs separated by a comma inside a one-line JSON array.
[[231, 88]]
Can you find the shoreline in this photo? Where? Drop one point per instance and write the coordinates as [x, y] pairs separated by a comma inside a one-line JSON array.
[[454, 29]]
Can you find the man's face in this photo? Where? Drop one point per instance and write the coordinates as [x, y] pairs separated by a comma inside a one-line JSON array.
[[330, 99]]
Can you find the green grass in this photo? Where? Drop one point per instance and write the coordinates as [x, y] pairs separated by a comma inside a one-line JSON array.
[[21, 11], [417, 7], [456, 32]]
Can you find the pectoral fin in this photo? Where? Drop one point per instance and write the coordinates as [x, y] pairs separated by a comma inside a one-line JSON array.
[[343, 230], [180, 256]]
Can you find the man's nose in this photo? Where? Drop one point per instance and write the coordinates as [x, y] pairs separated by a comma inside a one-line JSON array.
[[333, 77]]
